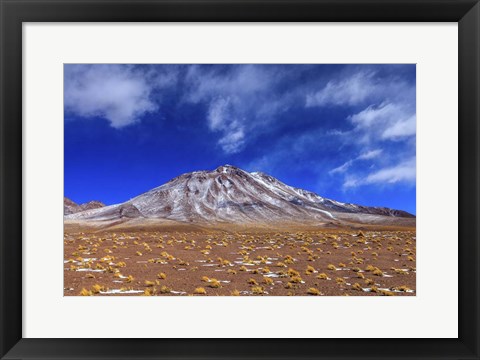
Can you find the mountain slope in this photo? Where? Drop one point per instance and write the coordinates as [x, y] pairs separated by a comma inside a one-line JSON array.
[[231, 195], [71, 207]]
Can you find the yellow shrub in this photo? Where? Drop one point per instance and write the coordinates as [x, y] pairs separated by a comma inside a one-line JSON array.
[[85, 292], [296, 279], [268, 281], [257, 290], [357, 286], [214, 283], [162, 276], [165, 290], [313, 291], [97, 288]]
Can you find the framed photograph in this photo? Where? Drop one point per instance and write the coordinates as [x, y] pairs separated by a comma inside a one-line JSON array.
[[238, 179], [215, 229]]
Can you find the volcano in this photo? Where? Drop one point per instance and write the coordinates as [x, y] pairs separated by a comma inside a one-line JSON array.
[[229, 194]]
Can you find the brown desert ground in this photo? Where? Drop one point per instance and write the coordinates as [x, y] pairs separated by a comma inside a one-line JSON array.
[[167, 259]]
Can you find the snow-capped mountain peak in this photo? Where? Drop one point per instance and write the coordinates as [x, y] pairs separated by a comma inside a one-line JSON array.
[[229, 194]]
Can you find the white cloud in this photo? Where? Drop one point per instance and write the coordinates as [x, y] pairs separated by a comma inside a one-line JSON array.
[[246, 81], [342, 168], [350, 183], [239, 101], [404, 172], [383, 115], [233, 141], [114, 92], [401, 128], [217, 114], [222, 118], [382, 125], [350, 90], [388, 121], [374, 116], [372, 154], [364, 86]]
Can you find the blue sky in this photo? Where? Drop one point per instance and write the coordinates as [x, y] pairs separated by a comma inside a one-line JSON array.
[[346, 132]]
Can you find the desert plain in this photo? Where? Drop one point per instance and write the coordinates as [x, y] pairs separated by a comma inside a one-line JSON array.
[[166, 259]]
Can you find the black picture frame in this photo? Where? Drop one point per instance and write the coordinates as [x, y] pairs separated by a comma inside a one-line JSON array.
[[15, 12]]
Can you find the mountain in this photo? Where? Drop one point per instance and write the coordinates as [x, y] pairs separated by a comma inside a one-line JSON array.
[[71, 207], [231, 195]]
